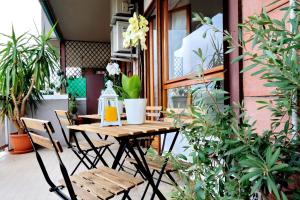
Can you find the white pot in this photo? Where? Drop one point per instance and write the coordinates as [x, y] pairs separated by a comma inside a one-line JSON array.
[[135, 110]]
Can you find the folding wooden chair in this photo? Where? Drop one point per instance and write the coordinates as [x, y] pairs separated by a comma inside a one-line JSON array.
[[152, 113], [81, 148], [156, 164], [95, 184]]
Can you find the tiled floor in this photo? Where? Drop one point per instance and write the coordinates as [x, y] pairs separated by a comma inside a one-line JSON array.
[[22, 179]]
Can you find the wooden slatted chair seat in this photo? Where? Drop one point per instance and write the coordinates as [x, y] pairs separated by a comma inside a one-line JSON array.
[[102, 183], [156, 164], [97, 143]]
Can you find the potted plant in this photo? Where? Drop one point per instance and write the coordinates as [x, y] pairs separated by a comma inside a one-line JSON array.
[[135, 107], [135, 37], [26, 63], [72, 107]]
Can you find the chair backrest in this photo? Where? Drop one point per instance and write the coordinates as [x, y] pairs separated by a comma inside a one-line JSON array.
[[32, 126], [64, 119], [153, 112]]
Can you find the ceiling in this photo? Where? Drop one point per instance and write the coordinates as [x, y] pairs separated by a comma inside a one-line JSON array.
[[82, 20]]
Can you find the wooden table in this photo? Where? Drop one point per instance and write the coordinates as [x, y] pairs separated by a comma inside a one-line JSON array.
[[127, 132], [96, 116]]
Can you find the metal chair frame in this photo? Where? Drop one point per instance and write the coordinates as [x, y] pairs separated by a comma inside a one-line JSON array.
[[83, 155]]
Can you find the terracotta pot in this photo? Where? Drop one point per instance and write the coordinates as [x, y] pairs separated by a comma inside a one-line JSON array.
[[20, 143]]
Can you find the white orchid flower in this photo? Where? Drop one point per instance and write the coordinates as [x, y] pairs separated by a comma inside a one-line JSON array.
[[113, 69], [136, 32]]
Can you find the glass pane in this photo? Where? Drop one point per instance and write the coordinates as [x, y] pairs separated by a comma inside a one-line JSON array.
[[178, 97], [155, 69], [186, 36], [177, 32], [181, 97]]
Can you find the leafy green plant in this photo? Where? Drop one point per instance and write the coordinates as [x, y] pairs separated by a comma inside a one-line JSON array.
[[26, 62], [72, 104], [131, 86], [230, 160]]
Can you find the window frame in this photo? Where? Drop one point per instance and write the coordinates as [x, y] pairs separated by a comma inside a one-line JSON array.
[[186, 80]]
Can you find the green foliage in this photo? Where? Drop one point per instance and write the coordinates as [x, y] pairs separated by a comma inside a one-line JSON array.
[[131, 86], [230, 160], [72, 108], [26, 62]]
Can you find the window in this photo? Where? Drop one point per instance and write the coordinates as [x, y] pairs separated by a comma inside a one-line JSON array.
[[184, 36]]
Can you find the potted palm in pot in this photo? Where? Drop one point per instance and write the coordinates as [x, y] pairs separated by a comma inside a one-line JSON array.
[[26, 63]]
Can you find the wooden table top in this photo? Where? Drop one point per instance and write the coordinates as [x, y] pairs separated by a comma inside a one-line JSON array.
[[126, 130], [96, 116]]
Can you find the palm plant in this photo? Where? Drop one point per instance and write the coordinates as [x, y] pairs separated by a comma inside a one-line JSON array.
[[26, 63]]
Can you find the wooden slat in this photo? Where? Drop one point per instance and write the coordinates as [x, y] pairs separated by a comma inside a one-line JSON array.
[[96, 116], [115, 130], [83, 194], [64, 121], [97, 143], [90, 186], [138, 128], [126, 176], [126, 129], [96, 130], [122, 130], [61, 113], [155, 128], [152, 164], [113, 188], [37, 124], [45, 142], [152, 114], [113, 177], [80, 192], [160, 123], [154, 108], [157, 164]]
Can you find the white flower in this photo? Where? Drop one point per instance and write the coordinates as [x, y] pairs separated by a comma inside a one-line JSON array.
[[136, 32], [113, 69]]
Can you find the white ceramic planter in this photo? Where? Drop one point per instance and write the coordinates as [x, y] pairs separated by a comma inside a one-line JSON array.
[[135, 110]]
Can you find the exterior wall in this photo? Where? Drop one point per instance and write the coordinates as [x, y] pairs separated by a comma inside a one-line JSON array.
[[253, 88], [45, 111]]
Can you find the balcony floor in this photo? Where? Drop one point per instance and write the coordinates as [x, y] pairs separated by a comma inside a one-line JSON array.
[[22, 179]]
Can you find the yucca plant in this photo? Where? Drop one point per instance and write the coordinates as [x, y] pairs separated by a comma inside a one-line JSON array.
[[26, 63]]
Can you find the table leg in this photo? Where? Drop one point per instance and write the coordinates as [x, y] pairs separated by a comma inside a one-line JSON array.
[[119, 153], [165, 163], [143, 167], [94, 148]]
